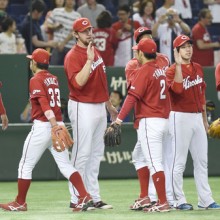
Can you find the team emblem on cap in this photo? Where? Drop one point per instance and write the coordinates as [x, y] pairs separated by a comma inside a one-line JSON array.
[[184, 37], [141, 30], [85, 22]]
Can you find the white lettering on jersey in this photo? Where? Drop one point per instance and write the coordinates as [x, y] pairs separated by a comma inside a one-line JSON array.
[[132, 87], [50, 81], [101, 34], [159, 72], [187, 83], [36, 91], [96, 63]]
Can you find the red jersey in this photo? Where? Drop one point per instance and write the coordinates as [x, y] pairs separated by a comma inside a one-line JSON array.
[[203, 57], [217, 77], [192, 97], [133, 64], [106, 43], [44, 84], [2, 108], [149, 86], [96, 88]]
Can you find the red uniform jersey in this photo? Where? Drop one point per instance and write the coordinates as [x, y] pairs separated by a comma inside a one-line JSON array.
[[106, 43], [149, 86], [203, 57], [217, 77], [96, 88], [133, 64], [192, 97], [2, 108], [44, 84]]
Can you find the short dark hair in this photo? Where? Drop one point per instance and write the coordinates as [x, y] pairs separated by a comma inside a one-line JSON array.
[[119, 94], [42, 66], [203, 12], [124, 8], [150, 55], [7, 22], [38, 5], [104, 20]]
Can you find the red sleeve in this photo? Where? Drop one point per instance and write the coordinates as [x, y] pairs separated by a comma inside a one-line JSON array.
[[172, 85], [2, 108], [73, 68], [217, 77], [44, 103], [197, 33], [127, 106]]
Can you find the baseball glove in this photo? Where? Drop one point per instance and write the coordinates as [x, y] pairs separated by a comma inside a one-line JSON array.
[[112, 136], [214, 129], [61, 138]]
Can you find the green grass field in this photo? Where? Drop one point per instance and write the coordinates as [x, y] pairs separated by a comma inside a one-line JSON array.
[[49, 200]]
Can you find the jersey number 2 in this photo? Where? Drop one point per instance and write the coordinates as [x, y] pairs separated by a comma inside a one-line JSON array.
[[54, 97], [163, 86]]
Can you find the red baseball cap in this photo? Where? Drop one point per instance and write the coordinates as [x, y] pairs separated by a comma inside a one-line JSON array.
[[180, 40], [81, 24], [146, 45], [140, 31], [40, 56]]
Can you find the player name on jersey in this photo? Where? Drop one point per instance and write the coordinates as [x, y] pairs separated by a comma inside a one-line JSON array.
[[187, 83], [50, 81], [101, 34], [159, 72]]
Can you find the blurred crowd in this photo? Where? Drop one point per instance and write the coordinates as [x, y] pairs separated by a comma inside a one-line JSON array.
[[26, 25]]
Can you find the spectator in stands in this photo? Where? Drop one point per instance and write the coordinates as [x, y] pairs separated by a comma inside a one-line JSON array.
[[185, 10], [116, 98], [124, 28], [91, 9], [203, 47], [7, 37], [3, 13], [61, 23], [163, 9], [214, 7], [146, 14], [166, 29], [33, 37], [46, 32], [105, 38]]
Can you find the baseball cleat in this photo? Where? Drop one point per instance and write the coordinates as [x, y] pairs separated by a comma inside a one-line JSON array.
[[14, 206], [214, 206], [84, 204], [141, 203], [158, 208], [102, 205], [185, 207]]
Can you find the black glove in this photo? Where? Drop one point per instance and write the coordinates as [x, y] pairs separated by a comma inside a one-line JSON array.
[[112, 136]]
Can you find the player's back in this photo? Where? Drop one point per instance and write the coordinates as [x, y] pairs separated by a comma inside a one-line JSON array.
[[44, 84]]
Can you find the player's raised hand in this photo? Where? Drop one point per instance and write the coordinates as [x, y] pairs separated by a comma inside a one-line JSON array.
[[90, 51], [177, 57]]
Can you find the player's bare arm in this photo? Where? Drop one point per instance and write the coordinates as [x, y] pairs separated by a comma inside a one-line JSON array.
[[83, 76], [112, 110], [4, 119]]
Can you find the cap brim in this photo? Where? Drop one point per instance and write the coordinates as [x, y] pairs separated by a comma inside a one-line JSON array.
[[83, 29], [190, 41], [135, 47], [29, 57]]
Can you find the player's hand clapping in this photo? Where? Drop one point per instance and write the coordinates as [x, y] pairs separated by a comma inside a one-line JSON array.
[[177, 57]]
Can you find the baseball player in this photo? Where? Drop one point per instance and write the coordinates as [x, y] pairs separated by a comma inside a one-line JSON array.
[[3, 114], [46, 113], [137, 155], [148, 93], [188, 124], [88, 99]]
